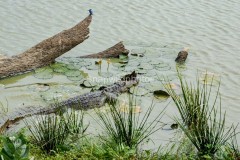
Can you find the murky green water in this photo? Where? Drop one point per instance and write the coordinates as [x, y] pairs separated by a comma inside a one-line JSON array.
[[209, 28]]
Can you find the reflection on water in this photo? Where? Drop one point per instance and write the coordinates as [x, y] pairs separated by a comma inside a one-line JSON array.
[[209, 28]]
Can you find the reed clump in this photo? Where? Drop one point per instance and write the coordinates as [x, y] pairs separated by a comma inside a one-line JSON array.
[[51, 131], [202, 120], [126, 130]]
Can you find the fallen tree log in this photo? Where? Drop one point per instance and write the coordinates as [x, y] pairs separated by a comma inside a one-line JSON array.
[[112, 52], [46, 51]]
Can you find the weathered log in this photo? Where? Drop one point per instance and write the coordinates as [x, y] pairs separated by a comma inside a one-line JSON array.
[[46, 51], [112, 52]]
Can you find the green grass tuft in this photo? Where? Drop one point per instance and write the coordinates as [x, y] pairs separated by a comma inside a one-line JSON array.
[[202, 122], [127, 130], [51, 131]]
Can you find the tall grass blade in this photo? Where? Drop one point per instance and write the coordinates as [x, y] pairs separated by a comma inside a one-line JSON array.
[[127, 129]]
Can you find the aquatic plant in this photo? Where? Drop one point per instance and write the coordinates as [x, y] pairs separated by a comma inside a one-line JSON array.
[[14, 147], [126, 129], [191, 100], [74, 122], [51, 131], [202, 122], [48, 132], [235, 149]]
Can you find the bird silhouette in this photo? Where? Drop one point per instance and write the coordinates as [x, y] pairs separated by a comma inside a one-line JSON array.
[[90, 12]]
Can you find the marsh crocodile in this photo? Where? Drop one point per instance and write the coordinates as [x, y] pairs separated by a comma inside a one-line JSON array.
[[86, 101]]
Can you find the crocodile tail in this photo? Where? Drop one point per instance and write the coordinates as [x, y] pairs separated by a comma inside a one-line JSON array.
[[20, 113], [4, 122]]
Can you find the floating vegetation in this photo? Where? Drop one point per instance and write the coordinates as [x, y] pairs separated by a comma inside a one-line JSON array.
[[156, 62], [123, 62], [166, 78], [141, 71], [133, 63], [92, 67], [118, 65], [151, 73], [67, 60], [44, 69], [86, 63], [174, 126], [57, 65], [133, 58], [161, 95], [168, 53], [123, 57], [153, 86], [72, 73], [153, 56], [145, 60], [106, 74], [72, 60], [162, 67], [39, 87], [62, 91], [70, 89], [78, 65], [121, 68], [44, 73], [60, 69], [75, 60], [71, 66], [134, 54], [139, 91], [129, 69], [51, 95], [145, 80], [65, 68], [88, 84], [75, 78], [145, 66]]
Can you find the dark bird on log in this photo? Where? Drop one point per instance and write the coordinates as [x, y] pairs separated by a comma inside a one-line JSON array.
[[182, 55], [90, 12]]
